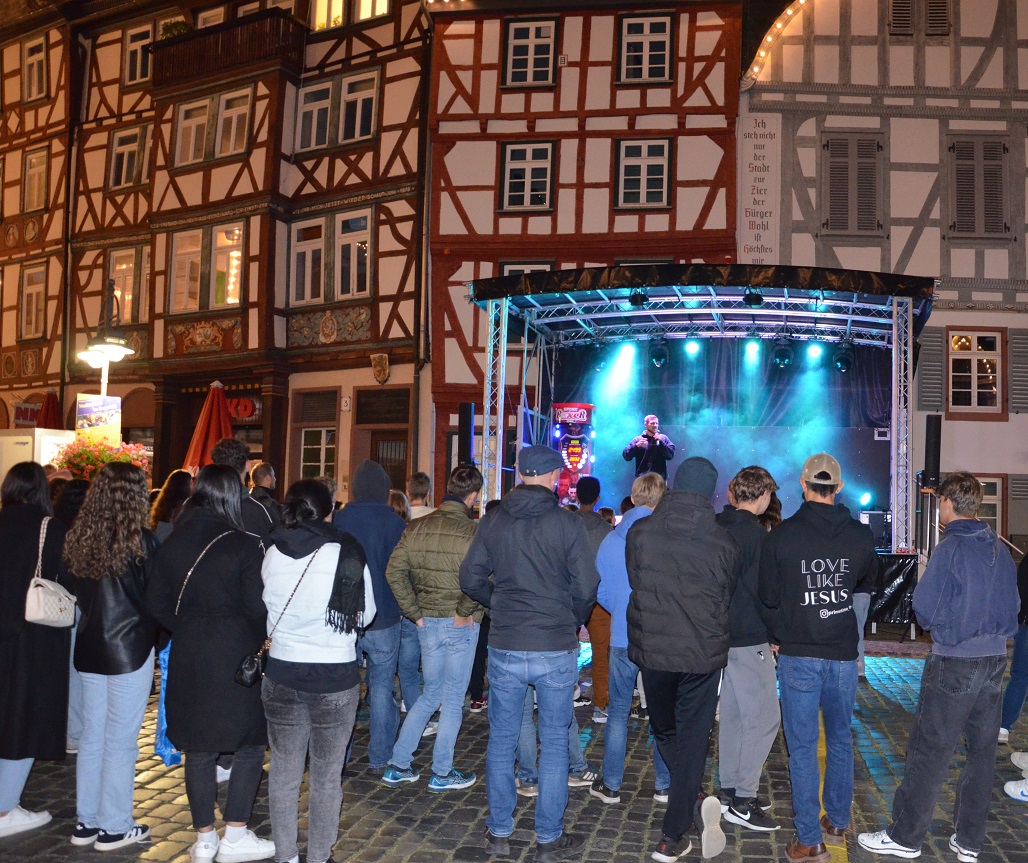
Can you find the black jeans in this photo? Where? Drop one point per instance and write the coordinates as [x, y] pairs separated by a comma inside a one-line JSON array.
[[477, 686], [682, 708], [959, 698], [202, 785]]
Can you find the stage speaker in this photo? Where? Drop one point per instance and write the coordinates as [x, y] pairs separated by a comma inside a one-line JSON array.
[[466, 434], [932, 444]]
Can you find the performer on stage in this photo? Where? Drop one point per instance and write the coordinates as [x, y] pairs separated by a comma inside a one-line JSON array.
[[651, 450]]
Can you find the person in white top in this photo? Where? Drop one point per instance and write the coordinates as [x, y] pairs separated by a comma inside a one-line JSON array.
[[419, 493]]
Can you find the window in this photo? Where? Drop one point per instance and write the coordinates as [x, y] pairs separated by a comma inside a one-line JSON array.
[[851, 184], [643, 168], [137, 54], [227, 258], [357, 115], [308, 274], [521, 268], [979, 188], [35, 188], [33, 70], [314, 110], [185, 271], [928, 16], [33, 301], [365, 9], [248, 9], [975, 371], [352, 260], [331, 13], [210, 17], [991, 510], [326, 13], [130, 270], [530, 49], [233, 111], [357, 97], [192, 133], [128, 157], [317, 452], [527, 170], [645, 49]]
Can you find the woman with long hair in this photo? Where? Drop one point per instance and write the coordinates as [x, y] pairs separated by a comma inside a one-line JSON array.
[[206, 590], [400, 504], [108, 551], [33, 657], [170, 500], [69, 501], [317, 588]]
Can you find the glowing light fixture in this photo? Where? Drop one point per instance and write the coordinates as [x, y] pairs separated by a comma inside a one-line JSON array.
[[814, 351], [692, 347], [109, 345], [865, 498], [752, 349]]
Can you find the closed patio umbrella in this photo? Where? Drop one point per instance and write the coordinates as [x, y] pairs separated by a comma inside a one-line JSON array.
[[214, 424], [50, 412]]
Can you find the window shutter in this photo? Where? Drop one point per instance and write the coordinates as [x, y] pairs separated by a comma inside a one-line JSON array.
[[931, 370], [315, 407], [901, 17], [1018, 352], [838, 187], [866, 216], [993, 190], [964, 221], [1018, 486], [937, 15]]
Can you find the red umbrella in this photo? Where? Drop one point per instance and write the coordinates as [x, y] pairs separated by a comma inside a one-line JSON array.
[[213, 425], [50, 412]]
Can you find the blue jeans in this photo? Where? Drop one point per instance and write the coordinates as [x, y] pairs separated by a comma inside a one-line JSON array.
[[808, 685], [13, 776], [382, 647], [447, 654], [621, 682], [410, 659], [553, 674], [113, 706], [861, 607], [528, 752], [1017, 687], [74, 688]]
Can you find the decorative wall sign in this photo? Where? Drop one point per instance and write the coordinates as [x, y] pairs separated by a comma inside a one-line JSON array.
[[204, 337], [10, 364], [329, 326], [139, 341], [29, 363]]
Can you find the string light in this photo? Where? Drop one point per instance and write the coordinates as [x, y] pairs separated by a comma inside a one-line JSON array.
[[769, 40]]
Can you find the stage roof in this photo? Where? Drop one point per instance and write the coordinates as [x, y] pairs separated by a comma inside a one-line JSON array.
[[569, 307]]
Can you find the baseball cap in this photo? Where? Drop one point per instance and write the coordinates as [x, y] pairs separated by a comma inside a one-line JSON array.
[[822, 463], [538, 460]]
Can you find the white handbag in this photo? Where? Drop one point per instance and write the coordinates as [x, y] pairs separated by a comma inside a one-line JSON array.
[[48, 603]]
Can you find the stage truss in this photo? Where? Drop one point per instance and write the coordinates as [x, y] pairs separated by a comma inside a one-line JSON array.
[[650, 303]]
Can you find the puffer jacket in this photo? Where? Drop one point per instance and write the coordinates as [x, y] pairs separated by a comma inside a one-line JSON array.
[[683, 569], [424, 568]]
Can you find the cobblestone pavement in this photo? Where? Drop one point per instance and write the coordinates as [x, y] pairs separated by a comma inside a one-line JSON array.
[[409, 825]]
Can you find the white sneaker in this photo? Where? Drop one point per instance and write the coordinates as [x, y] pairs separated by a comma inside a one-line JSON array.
[[430, 730], [19, 820], [223, 773], [247, 848], [964, 855], [1004, 736], [205, 847], [880, 843], [712, 837], [1020, 760], [1018, 790]]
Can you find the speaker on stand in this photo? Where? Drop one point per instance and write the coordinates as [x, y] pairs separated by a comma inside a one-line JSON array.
[[466, 434]]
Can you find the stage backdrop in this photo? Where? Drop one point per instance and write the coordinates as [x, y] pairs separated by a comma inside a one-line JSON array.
[[731, 405]]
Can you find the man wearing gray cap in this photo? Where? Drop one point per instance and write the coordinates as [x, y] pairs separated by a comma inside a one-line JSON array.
[[529, 564], [683, 569], [810, 566]]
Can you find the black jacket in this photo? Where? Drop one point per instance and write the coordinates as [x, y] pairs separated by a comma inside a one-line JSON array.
[[220, 620], [543, 584], [746, 613], [651, 453], [1022, 590], [266, 499], [116, 633], [810, 566], [683, 569]]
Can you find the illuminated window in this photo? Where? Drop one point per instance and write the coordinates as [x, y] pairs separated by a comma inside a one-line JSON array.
[[991, 510], [645, 49], [527, 176], [531, 46], [317, 452], [130, 270], [352, 259], [365, 9], [33, 302], [33, 70], [137, 54], [226, 265], [326, 13], [643, 171], [975, 372], [233, 111]]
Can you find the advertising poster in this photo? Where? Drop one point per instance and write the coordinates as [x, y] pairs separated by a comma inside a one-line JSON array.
[[98, 418]]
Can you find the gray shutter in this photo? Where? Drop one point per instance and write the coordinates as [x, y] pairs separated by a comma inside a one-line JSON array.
[[1018, 483], [931, 370], [964, 221], [1018, 377], [993, 188], [901, 17], [937, 18], [837, 211], [866, 216]]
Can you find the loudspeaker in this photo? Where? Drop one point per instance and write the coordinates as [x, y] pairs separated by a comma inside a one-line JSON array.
[[932, 445], [466, 434]]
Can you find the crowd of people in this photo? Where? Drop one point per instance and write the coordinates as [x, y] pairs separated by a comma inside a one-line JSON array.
[[738, 616]]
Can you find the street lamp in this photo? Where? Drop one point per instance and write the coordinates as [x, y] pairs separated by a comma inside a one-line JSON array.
[[109, 345]]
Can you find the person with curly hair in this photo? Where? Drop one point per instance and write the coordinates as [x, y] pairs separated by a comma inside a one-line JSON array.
[[109, 550], [170, 500]]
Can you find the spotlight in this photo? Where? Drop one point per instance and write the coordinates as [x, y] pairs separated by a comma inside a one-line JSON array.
[[782, 354], [814, 351], [637, 299], [865, 499], [752, 349], [692, 347], [659, 354], [752, 299], [842, 357]]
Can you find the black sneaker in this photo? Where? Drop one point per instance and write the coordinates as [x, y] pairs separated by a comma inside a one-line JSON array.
[[134, 835], [639, 712], [746, 813], [670, 850], [602, 792], [498, 846], [565, 847], [84, 835], [726, 795]]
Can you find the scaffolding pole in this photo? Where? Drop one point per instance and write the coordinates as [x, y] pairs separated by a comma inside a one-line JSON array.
[[492, 401], [902, 384]]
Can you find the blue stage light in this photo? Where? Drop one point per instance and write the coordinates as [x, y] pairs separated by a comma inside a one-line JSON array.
[[814, 351], [692, 347], [865, 498], [556, 431], [752, 349]]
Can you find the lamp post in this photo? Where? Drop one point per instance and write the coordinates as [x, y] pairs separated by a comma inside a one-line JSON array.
[[109, 345]]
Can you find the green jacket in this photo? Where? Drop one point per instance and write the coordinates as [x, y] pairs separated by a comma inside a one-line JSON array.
[[424, 568]]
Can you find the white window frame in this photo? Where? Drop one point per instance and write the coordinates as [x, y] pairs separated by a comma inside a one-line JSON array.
[[233, 123], [228, 259], [210, 17], [128, 148], [32, 323], [359, 100], [129, 269], [536, 46], [366, 10], [646, 45], [191, 134], [516, 268], [302, 258], [35, 81], [137, 57], [650, 166], [312, 109], [320, 436], [536, 168], [996, 523], [248, 9], [184, 287], [979, 374], [36, 168], [326, 14], [353, 244]]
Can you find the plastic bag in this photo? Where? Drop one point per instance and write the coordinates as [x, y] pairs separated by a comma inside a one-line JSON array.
[[162, 746]]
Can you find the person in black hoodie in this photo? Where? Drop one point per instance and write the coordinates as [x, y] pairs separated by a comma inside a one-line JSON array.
[[529, 564], [750, 715], [810, 566], [683, 569]]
